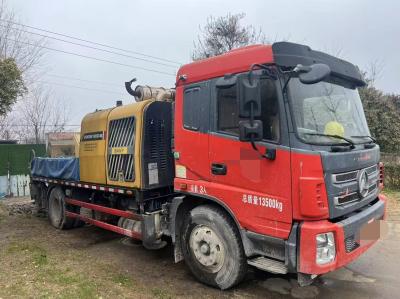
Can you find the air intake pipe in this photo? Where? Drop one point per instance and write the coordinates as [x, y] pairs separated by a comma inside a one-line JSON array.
[[142, 93]]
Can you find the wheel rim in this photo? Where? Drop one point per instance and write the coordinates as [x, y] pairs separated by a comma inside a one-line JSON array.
[[207, 248]]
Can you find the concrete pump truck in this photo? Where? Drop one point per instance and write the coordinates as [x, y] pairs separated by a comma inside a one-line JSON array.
[[260, 157]]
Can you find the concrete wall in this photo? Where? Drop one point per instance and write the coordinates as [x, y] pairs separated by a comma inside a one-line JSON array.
[[16, 185]]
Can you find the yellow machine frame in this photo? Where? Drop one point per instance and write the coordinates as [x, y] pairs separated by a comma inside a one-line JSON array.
[[94, 149]]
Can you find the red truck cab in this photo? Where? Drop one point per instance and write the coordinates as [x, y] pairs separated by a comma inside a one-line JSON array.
[[302, 191]]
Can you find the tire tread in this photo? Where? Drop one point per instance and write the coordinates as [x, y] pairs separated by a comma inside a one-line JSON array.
[[231, 227]]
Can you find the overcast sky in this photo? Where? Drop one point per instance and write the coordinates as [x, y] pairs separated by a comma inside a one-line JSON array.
[[365, 31]]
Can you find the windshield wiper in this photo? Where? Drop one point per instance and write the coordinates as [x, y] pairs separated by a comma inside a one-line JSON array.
[[349, 141], [365, 136]]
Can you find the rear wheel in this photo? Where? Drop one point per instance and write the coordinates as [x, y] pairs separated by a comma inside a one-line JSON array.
[[212, 247], [56, 211], [38, 195]]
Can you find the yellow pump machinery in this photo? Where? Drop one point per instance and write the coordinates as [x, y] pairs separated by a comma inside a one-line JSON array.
[[127, 146]]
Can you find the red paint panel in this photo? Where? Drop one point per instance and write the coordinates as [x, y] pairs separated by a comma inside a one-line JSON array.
[[308, 231], [385, 200], [105, 225], [192, 146], [310, 201], [259, 218], [268, 183], [235, 61], [248, 174], [107, 210]]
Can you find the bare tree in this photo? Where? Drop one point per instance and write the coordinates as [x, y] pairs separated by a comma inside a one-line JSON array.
[[40, 113], [222, 34], [374, 71], [16, 43], [37, 111], [6, 128]]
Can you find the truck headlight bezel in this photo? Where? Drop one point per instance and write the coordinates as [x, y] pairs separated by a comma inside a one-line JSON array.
[[325, 248]]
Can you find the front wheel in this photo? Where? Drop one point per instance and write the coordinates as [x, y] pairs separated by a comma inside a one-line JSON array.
[[212, 247]]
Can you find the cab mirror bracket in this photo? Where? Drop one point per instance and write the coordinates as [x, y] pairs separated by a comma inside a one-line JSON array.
[[250, 131]]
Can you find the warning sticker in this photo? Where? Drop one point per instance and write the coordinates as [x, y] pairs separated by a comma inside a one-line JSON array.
[[180, 171], [153, 173], [123, 150]]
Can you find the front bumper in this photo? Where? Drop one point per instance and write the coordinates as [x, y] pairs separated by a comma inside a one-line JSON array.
[[347, 238]]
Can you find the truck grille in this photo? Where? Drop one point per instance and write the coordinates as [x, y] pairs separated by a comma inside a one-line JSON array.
[[372, 169], [121, 140], [345, 177], [351, 177], [340, 200], [350, 244]]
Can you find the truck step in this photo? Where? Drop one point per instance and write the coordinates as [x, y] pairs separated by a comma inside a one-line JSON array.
[[268, 265]]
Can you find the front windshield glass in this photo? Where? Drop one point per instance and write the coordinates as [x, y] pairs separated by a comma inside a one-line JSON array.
[[327, 109]]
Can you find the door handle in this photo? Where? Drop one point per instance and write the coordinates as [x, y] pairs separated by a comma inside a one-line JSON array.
[[219, 169]]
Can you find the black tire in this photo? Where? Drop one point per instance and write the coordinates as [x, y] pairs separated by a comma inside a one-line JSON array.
[[56, 211], [35, 192], [38, 195], [212, 222]]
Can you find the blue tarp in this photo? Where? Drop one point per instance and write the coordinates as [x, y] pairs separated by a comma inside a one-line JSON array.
[[56, 168]]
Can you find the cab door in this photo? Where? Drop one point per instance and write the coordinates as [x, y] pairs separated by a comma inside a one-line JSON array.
[[191, 136], [257, 189]]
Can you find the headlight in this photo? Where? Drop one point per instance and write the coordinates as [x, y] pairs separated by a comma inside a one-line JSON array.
[[326, 250]]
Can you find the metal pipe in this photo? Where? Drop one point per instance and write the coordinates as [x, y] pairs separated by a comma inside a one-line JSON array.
[[107, 210], [156, 93], [105, 225]]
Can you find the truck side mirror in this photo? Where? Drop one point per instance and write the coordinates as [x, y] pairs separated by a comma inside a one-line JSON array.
[[250, 132], [249, 97], [313, 73]]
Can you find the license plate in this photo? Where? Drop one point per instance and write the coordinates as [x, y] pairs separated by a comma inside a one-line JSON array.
[[371, 231]]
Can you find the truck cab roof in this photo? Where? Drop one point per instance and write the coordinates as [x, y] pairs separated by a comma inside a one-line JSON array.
[[284, 54], [235, 61]]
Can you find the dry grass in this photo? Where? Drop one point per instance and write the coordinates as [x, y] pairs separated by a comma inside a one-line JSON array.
[[3, 213], [35, 268], [40, 272], [393, 204]]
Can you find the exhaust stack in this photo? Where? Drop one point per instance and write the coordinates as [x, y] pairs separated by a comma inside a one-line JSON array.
[[142, 93]]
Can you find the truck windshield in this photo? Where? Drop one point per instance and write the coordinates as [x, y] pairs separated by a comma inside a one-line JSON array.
[[324, 110]]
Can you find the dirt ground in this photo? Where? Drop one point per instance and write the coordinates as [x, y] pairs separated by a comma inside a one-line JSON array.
[[37, 261]]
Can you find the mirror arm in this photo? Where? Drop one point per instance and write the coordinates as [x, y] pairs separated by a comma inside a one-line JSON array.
[[252, 113], [250, 75], [253, 66], [297, 69], [266, 155], [287, 82]]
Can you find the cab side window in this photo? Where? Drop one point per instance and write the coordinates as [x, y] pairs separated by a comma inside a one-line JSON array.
[[228, 114], [191, 108], [196, 107], [228, 110]]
